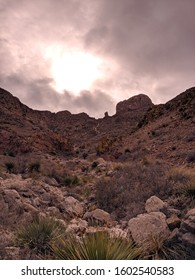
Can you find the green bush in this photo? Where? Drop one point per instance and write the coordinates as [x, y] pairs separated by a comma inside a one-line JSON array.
[[38, 234], [95, 246]]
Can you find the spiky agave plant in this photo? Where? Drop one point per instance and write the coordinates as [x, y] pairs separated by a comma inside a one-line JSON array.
[[38, 234], [95, 246]]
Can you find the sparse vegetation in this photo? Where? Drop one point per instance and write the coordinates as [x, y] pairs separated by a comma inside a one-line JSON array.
[[126, 192]]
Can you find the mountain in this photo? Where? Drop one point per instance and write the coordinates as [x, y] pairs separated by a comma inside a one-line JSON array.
[[129, 175], [137, 125], [27, 130]]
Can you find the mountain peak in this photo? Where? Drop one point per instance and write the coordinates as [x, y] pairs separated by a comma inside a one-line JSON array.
[[134, 103]]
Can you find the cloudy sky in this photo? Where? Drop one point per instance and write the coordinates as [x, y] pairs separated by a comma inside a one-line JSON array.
[[86, 55]]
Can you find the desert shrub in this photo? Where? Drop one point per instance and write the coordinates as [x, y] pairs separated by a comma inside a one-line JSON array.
[[160, 249], [94, 164], [105, 145], [11, 154], [85, 155], [35, 166], [9, 166], [190, 137], [38, 234], [130, 186], [181, 202], [95, 246], [70, 180], [183, 181], [191, 157]]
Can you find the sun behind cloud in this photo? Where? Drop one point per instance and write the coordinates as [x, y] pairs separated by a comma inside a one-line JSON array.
[[73, 70]]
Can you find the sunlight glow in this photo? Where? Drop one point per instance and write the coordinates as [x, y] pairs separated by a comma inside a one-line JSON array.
[[73, 70]]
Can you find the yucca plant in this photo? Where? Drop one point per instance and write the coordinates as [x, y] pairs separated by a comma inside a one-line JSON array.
[[95, 246], [38, 234]]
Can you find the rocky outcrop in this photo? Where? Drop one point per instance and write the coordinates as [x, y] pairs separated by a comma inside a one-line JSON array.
[[138, 102]]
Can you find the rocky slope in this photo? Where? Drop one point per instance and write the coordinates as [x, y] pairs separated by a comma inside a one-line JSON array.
[[120, 173]]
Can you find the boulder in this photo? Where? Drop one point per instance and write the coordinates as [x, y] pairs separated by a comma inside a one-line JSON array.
[[97, 217], [73, 207], [154, 204], [173, 222], [145, 227]]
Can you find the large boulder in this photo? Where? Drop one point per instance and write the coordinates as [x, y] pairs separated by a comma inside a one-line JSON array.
[[145, 227]]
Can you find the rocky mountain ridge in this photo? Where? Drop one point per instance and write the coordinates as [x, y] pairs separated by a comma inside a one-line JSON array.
[[130, 174], [14, 115], [63, 133]]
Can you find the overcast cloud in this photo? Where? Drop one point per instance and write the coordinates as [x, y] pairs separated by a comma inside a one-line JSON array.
[[147, 46]]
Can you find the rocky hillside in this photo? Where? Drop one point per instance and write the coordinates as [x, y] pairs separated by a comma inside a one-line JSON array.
[[118, 174]]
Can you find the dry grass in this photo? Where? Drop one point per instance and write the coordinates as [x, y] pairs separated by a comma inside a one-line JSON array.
[[183, 180], [131, 185], [160, 249]]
